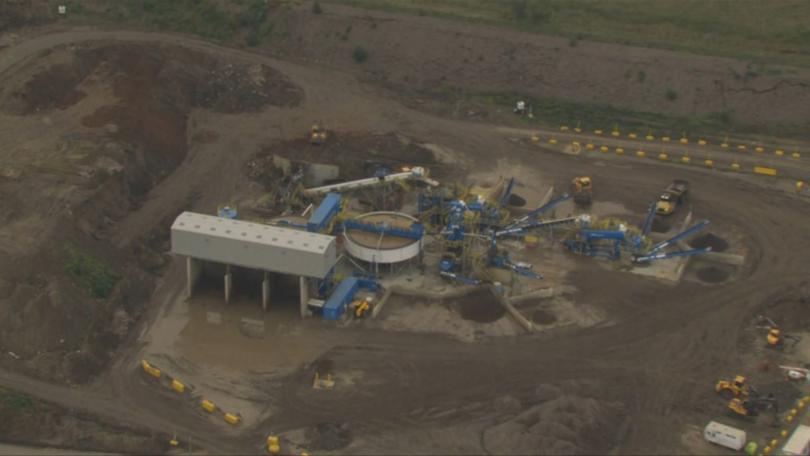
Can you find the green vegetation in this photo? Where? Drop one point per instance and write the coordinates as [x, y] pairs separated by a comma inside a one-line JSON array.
[[774, 30], [360, 54], [671, 94], [89, 273], [316, 7], [15, 401], [641, 76]]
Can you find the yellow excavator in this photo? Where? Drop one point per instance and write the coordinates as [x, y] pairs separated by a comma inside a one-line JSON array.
[[318, 134], [736, 388], [361, 307], [750, 408]]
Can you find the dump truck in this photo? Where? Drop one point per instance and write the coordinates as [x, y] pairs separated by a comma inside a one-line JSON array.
[[582, 189], [673, 196]]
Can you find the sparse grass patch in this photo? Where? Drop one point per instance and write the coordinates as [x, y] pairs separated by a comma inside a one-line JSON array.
[[15, 401], [89, 272], [671, 94], [360, 55]]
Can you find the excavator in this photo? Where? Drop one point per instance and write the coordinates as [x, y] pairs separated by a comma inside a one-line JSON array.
[[318, 134], [361, 307], [582, 189], [736, 388], [752, 406], [779, 341]]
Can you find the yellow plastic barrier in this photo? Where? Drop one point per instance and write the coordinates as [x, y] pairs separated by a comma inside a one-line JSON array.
[[709, 163], [759, 149], [665, 138], [615, 133], [773, 443], [779, 152], [735, 166], [563, 127], [552, 140], [632, 135], [742, 147], [597, 132], [619, 151], [799, 188], [796, 155], [788, 419], [784, 433], [577, 129], [685, 159], [149, 369], [232, 419], [793, 412], [650, 138], [766, 450], [641, 154], [724, 145], [177, 386], [589, 146], [702, 142], [663, 156], [765, 171], [604, 149], [535, 138], [684, 140], [208, 406]]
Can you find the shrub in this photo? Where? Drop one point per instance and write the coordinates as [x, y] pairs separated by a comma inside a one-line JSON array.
[[671, 95], [316, 7], [90, 273], [360, 54]]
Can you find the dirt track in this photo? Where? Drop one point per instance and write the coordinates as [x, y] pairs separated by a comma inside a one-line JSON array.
[[654, 365]]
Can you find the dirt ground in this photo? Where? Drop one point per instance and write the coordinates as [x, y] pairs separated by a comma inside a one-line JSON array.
[[136, 127]]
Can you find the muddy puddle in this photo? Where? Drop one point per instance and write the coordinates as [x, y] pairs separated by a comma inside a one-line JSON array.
[[480, 307], [716, 243]]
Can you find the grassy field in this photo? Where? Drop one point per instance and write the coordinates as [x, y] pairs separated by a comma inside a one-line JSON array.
[[773, 31]]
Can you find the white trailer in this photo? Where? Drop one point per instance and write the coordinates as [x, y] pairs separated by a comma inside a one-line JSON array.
[[725, 436]]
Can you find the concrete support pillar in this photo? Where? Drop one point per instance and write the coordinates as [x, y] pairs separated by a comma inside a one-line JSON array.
[[304, 290], [193, 268], [265, 291], [228, 283]]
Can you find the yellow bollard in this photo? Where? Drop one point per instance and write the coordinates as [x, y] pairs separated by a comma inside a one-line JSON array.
[[793, 412], [619, 151], [796, 155], [177, 386], [589, 146], [684, 140], [799, 186], [709, 163], [208, 406], [685, 159], [663, 156], [784, 433], [735, 166], [649, 137], [766, 450], [788, 419], [724, 145], [702, 142], [641, 154], [779, 152], [665, 138], [632, 135], [615, 133], [742, 147], [535, 138], [759, 149], [773, 443], [563, 127], [604, 149], [232, 419], [552, 140], [597, 132]]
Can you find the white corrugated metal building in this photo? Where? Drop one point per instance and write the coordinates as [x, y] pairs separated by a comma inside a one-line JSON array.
[[253, 245]]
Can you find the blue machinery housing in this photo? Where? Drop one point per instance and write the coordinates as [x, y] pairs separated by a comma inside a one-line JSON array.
[[335, 306]]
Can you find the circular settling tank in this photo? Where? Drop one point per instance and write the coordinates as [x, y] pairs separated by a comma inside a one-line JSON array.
[[382, 248]]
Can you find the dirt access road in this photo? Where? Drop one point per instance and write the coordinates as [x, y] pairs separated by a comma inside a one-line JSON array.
[[633, 384]]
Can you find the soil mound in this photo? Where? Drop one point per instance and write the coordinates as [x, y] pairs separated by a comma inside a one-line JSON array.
[[329, 436], [480, 307], [716, 243], [712, 274], [543, 317]]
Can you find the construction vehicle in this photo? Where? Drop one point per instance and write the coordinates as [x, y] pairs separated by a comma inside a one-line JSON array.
[[318, 134], [781, 342], [673, 196], [361, 307], [582, 190], [736, 388], [751, 407]]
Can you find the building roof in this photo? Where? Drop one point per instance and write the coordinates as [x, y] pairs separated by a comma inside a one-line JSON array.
[[257, 233], [253, 245]]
